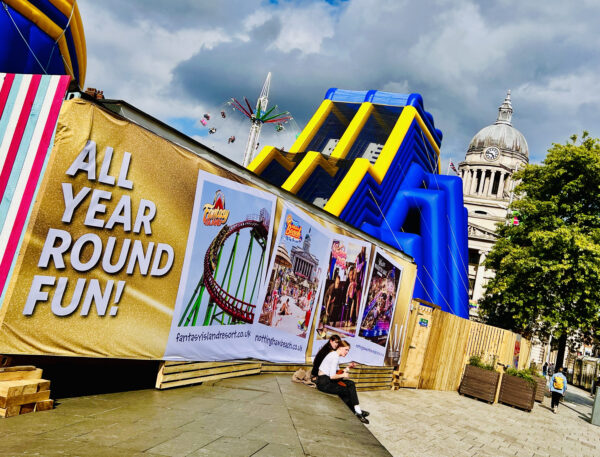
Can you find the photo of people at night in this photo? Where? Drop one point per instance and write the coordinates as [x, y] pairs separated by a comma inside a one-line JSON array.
[[381, 300], [344, 286]]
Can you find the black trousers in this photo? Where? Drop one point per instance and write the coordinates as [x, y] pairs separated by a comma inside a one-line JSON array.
[[555, 399], [347, 393]]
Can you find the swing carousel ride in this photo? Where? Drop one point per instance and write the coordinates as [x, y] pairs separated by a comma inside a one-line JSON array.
[[222, 132]]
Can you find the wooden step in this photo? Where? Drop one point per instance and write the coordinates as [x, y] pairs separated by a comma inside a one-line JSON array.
[[176, 374]]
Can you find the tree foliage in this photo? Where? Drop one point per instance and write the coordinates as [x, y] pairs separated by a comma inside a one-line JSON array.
[[548, 267]]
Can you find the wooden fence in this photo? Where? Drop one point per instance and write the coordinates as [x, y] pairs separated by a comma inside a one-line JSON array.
[[435, 352]]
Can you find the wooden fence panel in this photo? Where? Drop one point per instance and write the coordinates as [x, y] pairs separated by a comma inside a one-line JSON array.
[[525, 356], [417, 338], [453, 340], [444, 357]]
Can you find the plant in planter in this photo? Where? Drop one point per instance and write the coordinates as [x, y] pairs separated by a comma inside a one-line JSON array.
[[540, 381], [518, 389], [479, 379]]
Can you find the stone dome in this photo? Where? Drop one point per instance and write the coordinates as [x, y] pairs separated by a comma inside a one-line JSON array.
[[501, 134]]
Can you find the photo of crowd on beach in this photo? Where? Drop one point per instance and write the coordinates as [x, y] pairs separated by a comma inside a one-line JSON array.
[[344, 287], [381, 300], [295, 275]]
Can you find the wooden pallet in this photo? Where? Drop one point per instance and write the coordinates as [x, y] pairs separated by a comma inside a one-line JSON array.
[[281, 368], [175, 374], [369, 378], [22, 390]]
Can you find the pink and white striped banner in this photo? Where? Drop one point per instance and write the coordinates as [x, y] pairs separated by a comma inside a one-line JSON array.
[[29, 107]]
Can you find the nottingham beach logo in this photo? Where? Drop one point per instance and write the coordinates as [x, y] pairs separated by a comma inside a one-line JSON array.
[[216, 214], [293, 230]]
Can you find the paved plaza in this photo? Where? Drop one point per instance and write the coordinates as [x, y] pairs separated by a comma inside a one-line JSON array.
[[268, 415], [430, 423], [260, 416]]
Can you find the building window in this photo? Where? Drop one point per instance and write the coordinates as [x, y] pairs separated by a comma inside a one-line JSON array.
[[473, 256]]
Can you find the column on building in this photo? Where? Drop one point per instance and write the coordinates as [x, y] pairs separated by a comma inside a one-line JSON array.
[[467, 180], [483, 189], [501, 185], [507, 184], [492, 181], [478, 286], [474, 182], [483, 181]]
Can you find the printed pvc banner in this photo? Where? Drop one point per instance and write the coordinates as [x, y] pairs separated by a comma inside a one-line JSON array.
[[224, 267], [343, 294], [377, 314], [296, 275], [138, 248], [99, 268]]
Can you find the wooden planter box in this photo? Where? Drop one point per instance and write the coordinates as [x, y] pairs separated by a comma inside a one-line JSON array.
[[517, 392], [479, 383], [540, 390]]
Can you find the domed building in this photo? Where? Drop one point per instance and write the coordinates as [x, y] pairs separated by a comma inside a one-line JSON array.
[[494, 154]]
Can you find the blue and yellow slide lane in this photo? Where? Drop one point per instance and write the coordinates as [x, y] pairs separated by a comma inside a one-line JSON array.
[[42, 37], [372, 159]]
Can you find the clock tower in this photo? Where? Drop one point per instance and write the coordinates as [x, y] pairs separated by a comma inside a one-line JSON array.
[[493, 155]]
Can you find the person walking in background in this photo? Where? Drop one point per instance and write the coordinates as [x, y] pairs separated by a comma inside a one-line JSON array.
[[558, 387], [545, 369], [550, 369]]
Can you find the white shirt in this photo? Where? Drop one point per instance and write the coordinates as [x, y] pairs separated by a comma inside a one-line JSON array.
[[330, 364]]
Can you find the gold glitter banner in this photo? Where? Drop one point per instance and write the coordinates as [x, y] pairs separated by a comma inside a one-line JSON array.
[[100, 265]]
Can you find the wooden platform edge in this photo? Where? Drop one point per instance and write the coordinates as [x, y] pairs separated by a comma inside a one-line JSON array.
[[179, 373]]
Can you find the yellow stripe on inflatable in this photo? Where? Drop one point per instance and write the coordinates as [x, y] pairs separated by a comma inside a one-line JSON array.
[[66, 7], [313, 159], [46, 25], [312, 127], [360, 167], [391, 146], [354, 128], [83, 46], [348, 186], [266, 156], [302, 172]]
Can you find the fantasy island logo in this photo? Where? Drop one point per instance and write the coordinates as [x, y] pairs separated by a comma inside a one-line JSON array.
[[293, 230], [216, 214]]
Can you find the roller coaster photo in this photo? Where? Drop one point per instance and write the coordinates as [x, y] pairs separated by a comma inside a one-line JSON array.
[[231, 297]]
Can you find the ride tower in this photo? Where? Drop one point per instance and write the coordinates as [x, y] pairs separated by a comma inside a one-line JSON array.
[[259, 116]]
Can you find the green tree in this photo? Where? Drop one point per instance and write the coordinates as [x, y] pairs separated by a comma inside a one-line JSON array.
[[548, 267]]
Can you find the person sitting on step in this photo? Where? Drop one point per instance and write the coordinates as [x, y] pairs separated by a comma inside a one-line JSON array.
[[332, 380]]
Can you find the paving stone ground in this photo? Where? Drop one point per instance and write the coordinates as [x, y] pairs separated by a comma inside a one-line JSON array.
[[268, 415], [261, 416], [431, 423]]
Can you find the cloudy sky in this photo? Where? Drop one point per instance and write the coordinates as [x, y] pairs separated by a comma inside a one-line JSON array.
[[180, 59]]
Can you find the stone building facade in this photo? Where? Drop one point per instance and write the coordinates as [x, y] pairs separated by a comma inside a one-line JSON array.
[[304, 264], [493, 155]]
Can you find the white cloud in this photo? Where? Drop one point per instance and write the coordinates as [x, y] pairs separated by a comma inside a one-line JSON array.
[[187, 58]]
